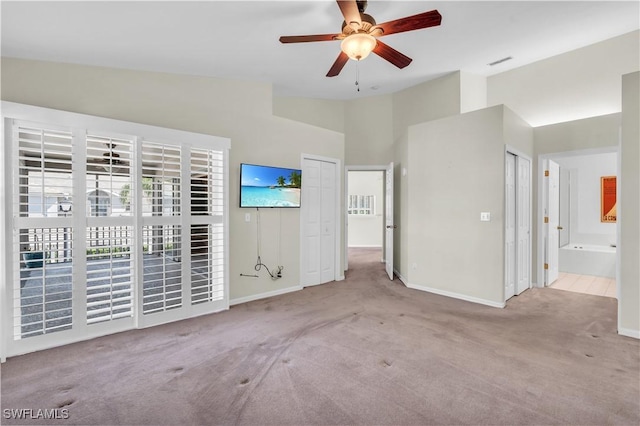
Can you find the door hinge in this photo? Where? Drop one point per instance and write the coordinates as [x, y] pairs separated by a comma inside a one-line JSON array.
[[546, 266], [546, 173], [546, 219]]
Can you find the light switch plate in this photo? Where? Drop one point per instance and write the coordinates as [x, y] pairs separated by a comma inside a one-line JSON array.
[[485, 216], [247, 217]]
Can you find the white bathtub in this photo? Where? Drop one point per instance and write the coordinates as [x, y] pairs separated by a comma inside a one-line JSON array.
[[587, 259]]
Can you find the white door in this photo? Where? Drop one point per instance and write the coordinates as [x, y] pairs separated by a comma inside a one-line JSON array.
[[328, 222], [565, 191], [523, 211], [388, 220], [318, 222], [510, 226], [552, 221], [311, 226]]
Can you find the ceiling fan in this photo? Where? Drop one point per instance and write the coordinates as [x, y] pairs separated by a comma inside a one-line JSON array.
[[360, 34], [110, 160]]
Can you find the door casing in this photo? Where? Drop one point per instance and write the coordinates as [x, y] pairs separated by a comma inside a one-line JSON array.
[[337, 267], [521, 259], [375, 168]]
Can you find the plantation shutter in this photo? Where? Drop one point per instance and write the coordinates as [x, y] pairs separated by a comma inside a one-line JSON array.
[[207, 232], [162, 230], [42, 234], [108, 230], [109, 234]]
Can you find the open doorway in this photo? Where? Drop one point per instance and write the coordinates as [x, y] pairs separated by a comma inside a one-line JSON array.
[[365, 213], [369, 215], [580, 240]]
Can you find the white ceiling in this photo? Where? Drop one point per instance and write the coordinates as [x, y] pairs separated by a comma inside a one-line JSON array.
[[239, 39]]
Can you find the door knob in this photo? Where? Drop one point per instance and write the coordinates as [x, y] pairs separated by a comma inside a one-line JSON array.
[[392, 226], [560, 228]]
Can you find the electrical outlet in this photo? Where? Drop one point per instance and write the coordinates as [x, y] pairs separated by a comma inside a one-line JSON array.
[[485, 216]]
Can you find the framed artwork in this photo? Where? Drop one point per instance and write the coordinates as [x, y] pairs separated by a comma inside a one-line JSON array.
[[608, 201]]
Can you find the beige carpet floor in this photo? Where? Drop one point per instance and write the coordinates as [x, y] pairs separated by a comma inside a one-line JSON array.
[[366, 350]]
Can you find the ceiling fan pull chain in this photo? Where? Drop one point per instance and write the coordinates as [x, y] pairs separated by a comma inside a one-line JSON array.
[[357, 75]]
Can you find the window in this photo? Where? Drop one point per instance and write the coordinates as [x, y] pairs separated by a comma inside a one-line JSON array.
[[110, 231], [362, 205], [43, 271], [110, 274], [162, 260]]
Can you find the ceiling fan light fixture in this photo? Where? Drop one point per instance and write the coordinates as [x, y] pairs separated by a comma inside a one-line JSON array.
[[357, 46]]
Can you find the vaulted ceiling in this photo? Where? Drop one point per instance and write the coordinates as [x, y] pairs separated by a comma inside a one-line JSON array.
[[239, 39]]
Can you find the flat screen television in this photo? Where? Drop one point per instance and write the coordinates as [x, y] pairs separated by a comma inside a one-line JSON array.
[[266, 186]]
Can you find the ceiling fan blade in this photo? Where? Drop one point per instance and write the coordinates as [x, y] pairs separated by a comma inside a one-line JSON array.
[[338, 65], [410, 23], [392, 55], [308, 38], [349, 9]]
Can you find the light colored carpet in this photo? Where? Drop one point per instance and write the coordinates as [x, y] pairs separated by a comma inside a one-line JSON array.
[[363, 351]]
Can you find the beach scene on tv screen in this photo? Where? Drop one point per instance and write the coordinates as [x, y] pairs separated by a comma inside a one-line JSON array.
[[264, 186]]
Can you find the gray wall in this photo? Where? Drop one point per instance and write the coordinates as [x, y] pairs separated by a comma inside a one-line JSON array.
[[456, 171], [574, 85], [629, 306]]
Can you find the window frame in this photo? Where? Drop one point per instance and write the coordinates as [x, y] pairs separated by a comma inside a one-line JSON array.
[[357, 205], [82, 125]]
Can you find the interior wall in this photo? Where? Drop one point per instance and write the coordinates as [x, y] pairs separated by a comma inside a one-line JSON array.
[[401, 206], [585, 226], [431, 100], [238, 110], [577, 84], [369, 131], [473, 92], [457, 171], [325, 113], [629, 213], [366, 230]]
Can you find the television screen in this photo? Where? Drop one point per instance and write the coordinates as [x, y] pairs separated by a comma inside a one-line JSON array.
[[265, 186]]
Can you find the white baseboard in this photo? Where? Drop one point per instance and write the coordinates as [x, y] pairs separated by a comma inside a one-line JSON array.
[[457, 296], [264, 295], [400, 277], [340, 278], [629, 332], [363, 246]]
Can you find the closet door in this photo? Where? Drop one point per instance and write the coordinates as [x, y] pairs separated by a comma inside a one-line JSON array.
[[328, 222], [523, 282], [510, 227], [318, 222]]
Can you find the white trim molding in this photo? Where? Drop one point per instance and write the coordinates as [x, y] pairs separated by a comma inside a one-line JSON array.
[[457, 296], [629, 333], [449, 293], [265, 295]]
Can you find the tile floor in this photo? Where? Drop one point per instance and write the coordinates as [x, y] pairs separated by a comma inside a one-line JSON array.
[[599, 286]]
